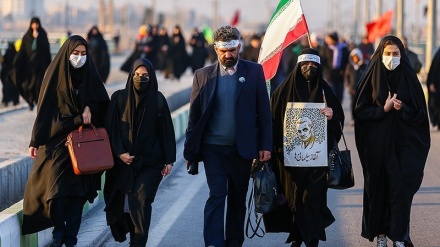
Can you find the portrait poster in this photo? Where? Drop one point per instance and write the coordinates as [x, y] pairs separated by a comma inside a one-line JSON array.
[[305, 135]]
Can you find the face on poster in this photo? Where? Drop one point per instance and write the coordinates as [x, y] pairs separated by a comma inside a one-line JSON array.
[[305, 135]]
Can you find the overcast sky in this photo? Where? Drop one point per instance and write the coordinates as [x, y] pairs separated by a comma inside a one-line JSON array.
[[316, 11]]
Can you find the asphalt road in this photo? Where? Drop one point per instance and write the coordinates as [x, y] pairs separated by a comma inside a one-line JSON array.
[[178, 210]]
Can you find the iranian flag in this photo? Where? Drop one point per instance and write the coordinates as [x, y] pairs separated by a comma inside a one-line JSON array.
[[286, 25]]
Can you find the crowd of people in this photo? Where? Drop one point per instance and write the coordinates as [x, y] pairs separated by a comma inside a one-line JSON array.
[[24, 66], [232, 121], [168, 53]]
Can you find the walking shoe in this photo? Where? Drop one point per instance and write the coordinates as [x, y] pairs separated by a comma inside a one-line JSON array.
[[399, 244], [296, 244], [56, 243], [381, 241]]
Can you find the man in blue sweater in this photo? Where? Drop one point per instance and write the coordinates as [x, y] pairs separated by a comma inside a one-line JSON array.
[[229, 126]]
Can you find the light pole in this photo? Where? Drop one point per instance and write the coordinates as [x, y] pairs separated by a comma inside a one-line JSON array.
[[378, 8], [215, 22], [101, 20], [153, 12], [366, 14], [356, 14], [399, 18], [66, 15], [431, 32]]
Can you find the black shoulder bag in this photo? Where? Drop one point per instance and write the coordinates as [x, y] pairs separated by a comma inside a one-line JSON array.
[[340, 170]]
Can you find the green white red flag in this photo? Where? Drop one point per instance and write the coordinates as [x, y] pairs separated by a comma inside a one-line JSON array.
[[287, 24]]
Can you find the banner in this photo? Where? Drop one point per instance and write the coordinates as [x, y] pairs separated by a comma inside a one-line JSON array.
[[305, 135]]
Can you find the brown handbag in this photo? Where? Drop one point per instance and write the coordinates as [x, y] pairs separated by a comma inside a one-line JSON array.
[[89, 150]]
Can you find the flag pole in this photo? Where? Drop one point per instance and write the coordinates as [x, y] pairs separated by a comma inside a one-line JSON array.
[[308, 38]]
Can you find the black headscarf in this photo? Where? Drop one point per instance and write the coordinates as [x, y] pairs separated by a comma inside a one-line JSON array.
[[99, 51], [395, 141], [58, 104], [134, 126], [31, 62], [147, 98], [295, 88], [374, 87], [135, 107], [43, 48], [304, 187]]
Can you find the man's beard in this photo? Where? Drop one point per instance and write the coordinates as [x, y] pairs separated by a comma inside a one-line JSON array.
[[230, 62]]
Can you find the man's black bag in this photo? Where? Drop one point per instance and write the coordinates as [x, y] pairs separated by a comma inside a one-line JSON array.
[[264, 187], [340, 170], [263, 194]]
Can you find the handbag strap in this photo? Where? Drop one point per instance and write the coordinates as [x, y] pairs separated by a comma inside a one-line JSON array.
[[343, 137], [340, 125], [80, 129], [257, 219]]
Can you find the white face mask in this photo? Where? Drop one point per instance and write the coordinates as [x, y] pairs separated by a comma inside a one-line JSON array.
[[390, 62], [77, 61]]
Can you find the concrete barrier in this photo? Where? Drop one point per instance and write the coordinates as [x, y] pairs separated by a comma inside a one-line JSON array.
[[18, 170], [13, 177]]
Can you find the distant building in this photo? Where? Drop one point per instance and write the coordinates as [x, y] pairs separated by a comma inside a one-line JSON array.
[[21, 10]]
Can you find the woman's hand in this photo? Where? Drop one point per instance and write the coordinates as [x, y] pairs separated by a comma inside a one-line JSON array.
[[397, 104], [328, 112], [389, 102], [167, 169], [33, 152], [126, 158], [87, 116]]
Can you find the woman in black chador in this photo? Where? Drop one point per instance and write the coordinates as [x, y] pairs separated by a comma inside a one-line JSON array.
[[392, 139], [177, 57], [10, 92], [305, 215], [99, 52], [433, 84], [31, 62], [144, 147], [72, 94]]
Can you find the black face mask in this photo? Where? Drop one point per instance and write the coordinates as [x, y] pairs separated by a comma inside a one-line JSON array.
[[309, 72], [141, 82]]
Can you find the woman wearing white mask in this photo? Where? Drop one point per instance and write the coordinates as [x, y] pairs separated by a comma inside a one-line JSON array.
[[72, 92], [393, 139]]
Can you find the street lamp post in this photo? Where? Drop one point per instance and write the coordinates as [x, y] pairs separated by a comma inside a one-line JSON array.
[[66, 15], [399, 18], [215, 22], [431, 32], [153, 12]]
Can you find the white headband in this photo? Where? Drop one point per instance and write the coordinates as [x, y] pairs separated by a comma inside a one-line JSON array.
[[309, 58], [227, 44]]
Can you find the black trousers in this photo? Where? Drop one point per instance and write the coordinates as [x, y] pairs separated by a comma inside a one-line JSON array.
[[65, 213], [228, 175], [140, 201]]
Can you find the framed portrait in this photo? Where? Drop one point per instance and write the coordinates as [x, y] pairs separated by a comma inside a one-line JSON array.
[[305, 135]]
